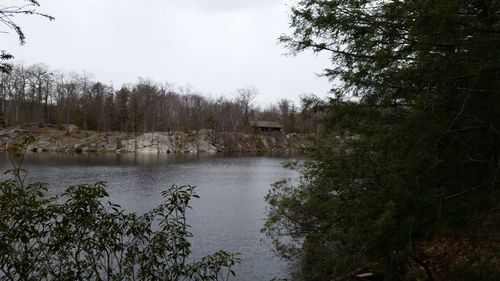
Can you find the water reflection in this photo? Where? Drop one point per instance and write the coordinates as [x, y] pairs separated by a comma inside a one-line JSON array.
[[229, 214]]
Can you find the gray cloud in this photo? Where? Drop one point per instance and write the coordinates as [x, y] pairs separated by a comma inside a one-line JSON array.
[[214, 45], [225, 5]]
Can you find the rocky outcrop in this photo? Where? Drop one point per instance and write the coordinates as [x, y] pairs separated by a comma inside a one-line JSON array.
[[73, 140]]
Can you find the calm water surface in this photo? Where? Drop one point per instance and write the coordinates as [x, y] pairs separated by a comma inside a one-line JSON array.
[[229, 214]]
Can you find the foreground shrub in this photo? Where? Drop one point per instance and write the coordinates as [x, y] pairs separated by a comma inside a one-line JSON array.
[[80, 236]]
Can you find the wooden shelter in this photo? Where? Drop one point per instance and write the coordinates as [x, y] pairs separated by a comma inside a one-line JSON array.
[[266, 126]]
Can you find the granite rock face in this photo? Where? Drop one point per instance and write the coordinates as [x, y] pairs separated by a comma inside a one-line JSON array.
[[73, 140], [156, 142]]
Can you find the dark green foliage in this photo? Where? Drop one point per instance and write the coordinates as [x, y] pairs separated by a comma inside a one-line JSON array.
[[80, 236], [86, 239], [4, 66], [405, 184]]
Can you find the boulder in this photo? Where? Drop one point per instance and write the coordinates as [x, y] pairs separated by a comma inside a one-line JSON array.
[[190, 148], [111, 144], [128, 145], [204, 143], [145, 140], [264, 143], [148, 149], [42, 145], [71, 129]]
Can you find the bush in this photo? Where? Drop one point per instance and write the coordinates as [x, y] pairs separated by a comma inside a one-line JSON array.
[[78, 236]]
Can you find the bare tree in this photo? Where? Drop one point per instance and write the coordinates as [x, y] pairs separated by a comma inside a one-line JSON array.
[[245, 97], [33, 94], [39, 81], [122, 110]]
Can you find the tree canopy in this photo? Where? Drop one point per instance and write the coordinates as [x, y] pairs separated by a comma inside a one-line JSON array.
[[39, 95], [405, 186]]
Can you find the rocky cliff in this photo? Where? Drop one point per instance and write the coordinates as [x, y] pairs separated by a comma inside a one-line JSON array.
[[72, 140]]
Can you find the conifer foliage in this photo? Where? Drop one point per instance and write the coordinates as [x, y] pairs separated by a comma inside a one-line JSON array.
[[411, 192]]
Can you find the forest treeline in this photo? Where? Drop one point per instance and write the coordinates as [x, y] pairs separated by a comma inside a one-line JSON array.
[[37, 94]]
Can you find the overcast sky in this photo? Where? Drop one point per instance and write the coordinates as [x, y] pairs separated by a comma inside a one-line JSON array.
[[215, 46]]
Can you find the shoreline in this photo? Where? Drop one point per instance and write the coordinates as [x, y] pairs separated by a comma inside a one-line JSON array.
[[72, 140]]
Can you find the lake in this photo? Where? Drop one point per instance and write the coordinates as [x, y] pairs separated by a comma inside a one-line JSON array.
[[229, 214]]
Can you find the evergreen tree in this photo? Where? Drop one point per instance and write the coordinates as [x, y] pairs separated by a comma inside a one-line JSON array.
[[410, 192]]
